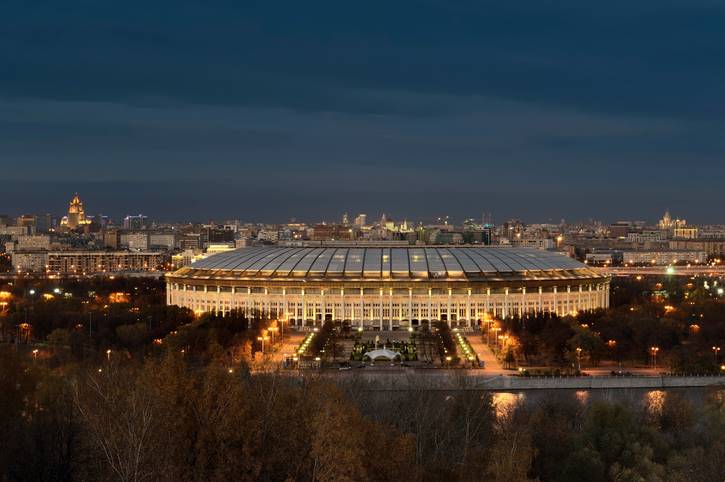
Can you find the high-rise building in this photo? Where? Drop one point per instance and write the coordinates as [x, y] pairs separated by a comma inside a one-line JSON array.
[[26, 220], [361, 220], [135, 222], [76, 214], [43, 223], [668, 223]]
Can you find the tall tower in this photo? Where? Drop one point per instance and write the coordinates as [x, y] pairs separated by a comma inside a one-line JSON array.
[[76, 215]]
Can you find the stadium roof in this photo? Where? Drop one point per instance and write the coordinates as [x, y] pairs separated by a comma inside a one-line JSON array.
[[415, 262]]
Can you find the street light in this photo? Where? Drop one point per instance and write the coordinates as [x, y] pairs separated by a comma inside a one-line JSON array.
[[495, 334], [35, 355], [108, 354], [654, 351], [262, 339], [578, 359], [273, 330], [716, 351]]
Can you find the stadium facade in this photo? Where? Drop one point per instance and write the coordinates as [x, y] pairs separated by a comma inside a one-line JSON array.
[[388, 287]]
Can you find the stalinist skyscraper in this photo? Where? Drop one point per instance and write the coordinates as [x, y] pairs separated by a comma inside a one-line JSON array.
[[76, 215]]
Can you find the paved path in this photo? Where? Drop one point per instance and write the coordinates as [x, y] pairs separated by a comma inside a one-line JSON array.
[[288, 346], [492, 365]]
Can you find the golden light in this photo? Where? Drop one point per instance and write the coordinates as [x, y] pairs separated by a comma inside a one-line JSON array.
[[118, 297]]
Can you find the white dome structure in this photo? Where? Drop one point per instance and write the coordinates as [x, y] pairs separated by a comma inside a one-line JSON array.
[[388, 288], [382, 354]]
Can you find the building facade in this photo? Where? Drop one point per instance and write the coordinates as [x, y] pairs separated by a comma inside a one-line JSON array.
[[388, 288], [663, 257], [94, 262]]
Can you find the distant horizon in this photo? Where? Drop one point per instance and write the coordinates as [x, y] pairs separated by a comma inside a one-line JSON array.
[[159, 207]]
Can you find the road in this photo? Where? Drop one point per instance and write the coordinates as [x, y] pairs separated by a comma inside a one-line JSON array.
[[664, 271]]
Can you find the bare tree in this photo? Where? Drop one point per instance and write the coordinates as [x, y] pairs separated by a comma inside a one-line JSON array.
[[119, 418]]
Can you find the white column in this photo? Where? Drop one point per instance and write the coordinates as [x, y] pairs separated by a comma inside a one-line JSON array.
[[304, 308], [506, 303], [522, 305], [568, 299], [323, 304], [468, 308], [430, 308], [390, 304], [488, 302], [381, 310], [589, 297], [449, 306]]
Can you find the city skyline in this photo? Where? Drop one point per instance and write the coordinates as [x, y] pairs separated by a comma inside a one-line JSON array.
[[456, 110], [40, 206]]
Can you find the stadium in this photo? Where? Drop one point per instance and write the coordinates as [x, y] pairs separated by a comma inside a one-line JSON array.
[[388, 288]]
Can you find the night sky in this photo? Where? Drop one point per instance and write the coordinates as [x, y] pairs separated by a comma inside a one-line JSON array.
[[270, 110]]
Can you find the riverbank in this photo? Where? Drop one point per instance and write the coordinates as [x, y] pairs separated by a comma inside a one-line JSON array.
[[389, 380]]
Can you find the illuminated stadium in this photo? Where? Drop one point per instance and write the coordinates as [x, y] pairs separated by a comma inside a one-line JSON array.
[[388, 288]]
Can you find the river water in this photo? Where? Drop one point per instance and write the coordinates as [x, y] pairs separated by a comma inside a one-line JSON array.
[[648, 399]]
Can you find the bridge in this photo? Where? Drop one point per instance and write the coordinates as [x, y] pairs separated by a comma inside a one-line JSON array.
[[712, 271]]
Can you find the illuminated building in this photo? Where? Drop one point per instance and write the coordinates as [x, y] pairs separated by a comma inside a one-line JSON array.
[[664, 257], [82, 262], [76, 214], [388, 287]]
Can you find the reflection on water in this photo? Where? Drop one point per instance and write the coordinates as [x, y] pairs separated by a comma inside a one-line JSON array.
[[504, 403], [654, 400], [651, 400]]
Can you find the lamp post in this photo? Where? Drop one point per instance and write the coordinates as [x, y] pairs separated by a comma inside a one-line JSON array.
[[716, 351], [654, 351], [35, 355], [108, 354], [495, 334], [273, 330], [262, 339], [579, 359]]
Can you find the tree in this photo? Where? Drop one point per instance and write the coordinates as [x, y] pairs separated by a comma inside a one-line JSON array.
[[132, 336], [119, 420], [509, 358], [337, 454]]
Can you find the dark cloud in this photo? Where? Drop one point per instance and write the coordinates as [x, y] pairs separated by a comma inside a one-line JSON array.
[[484, 103]]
